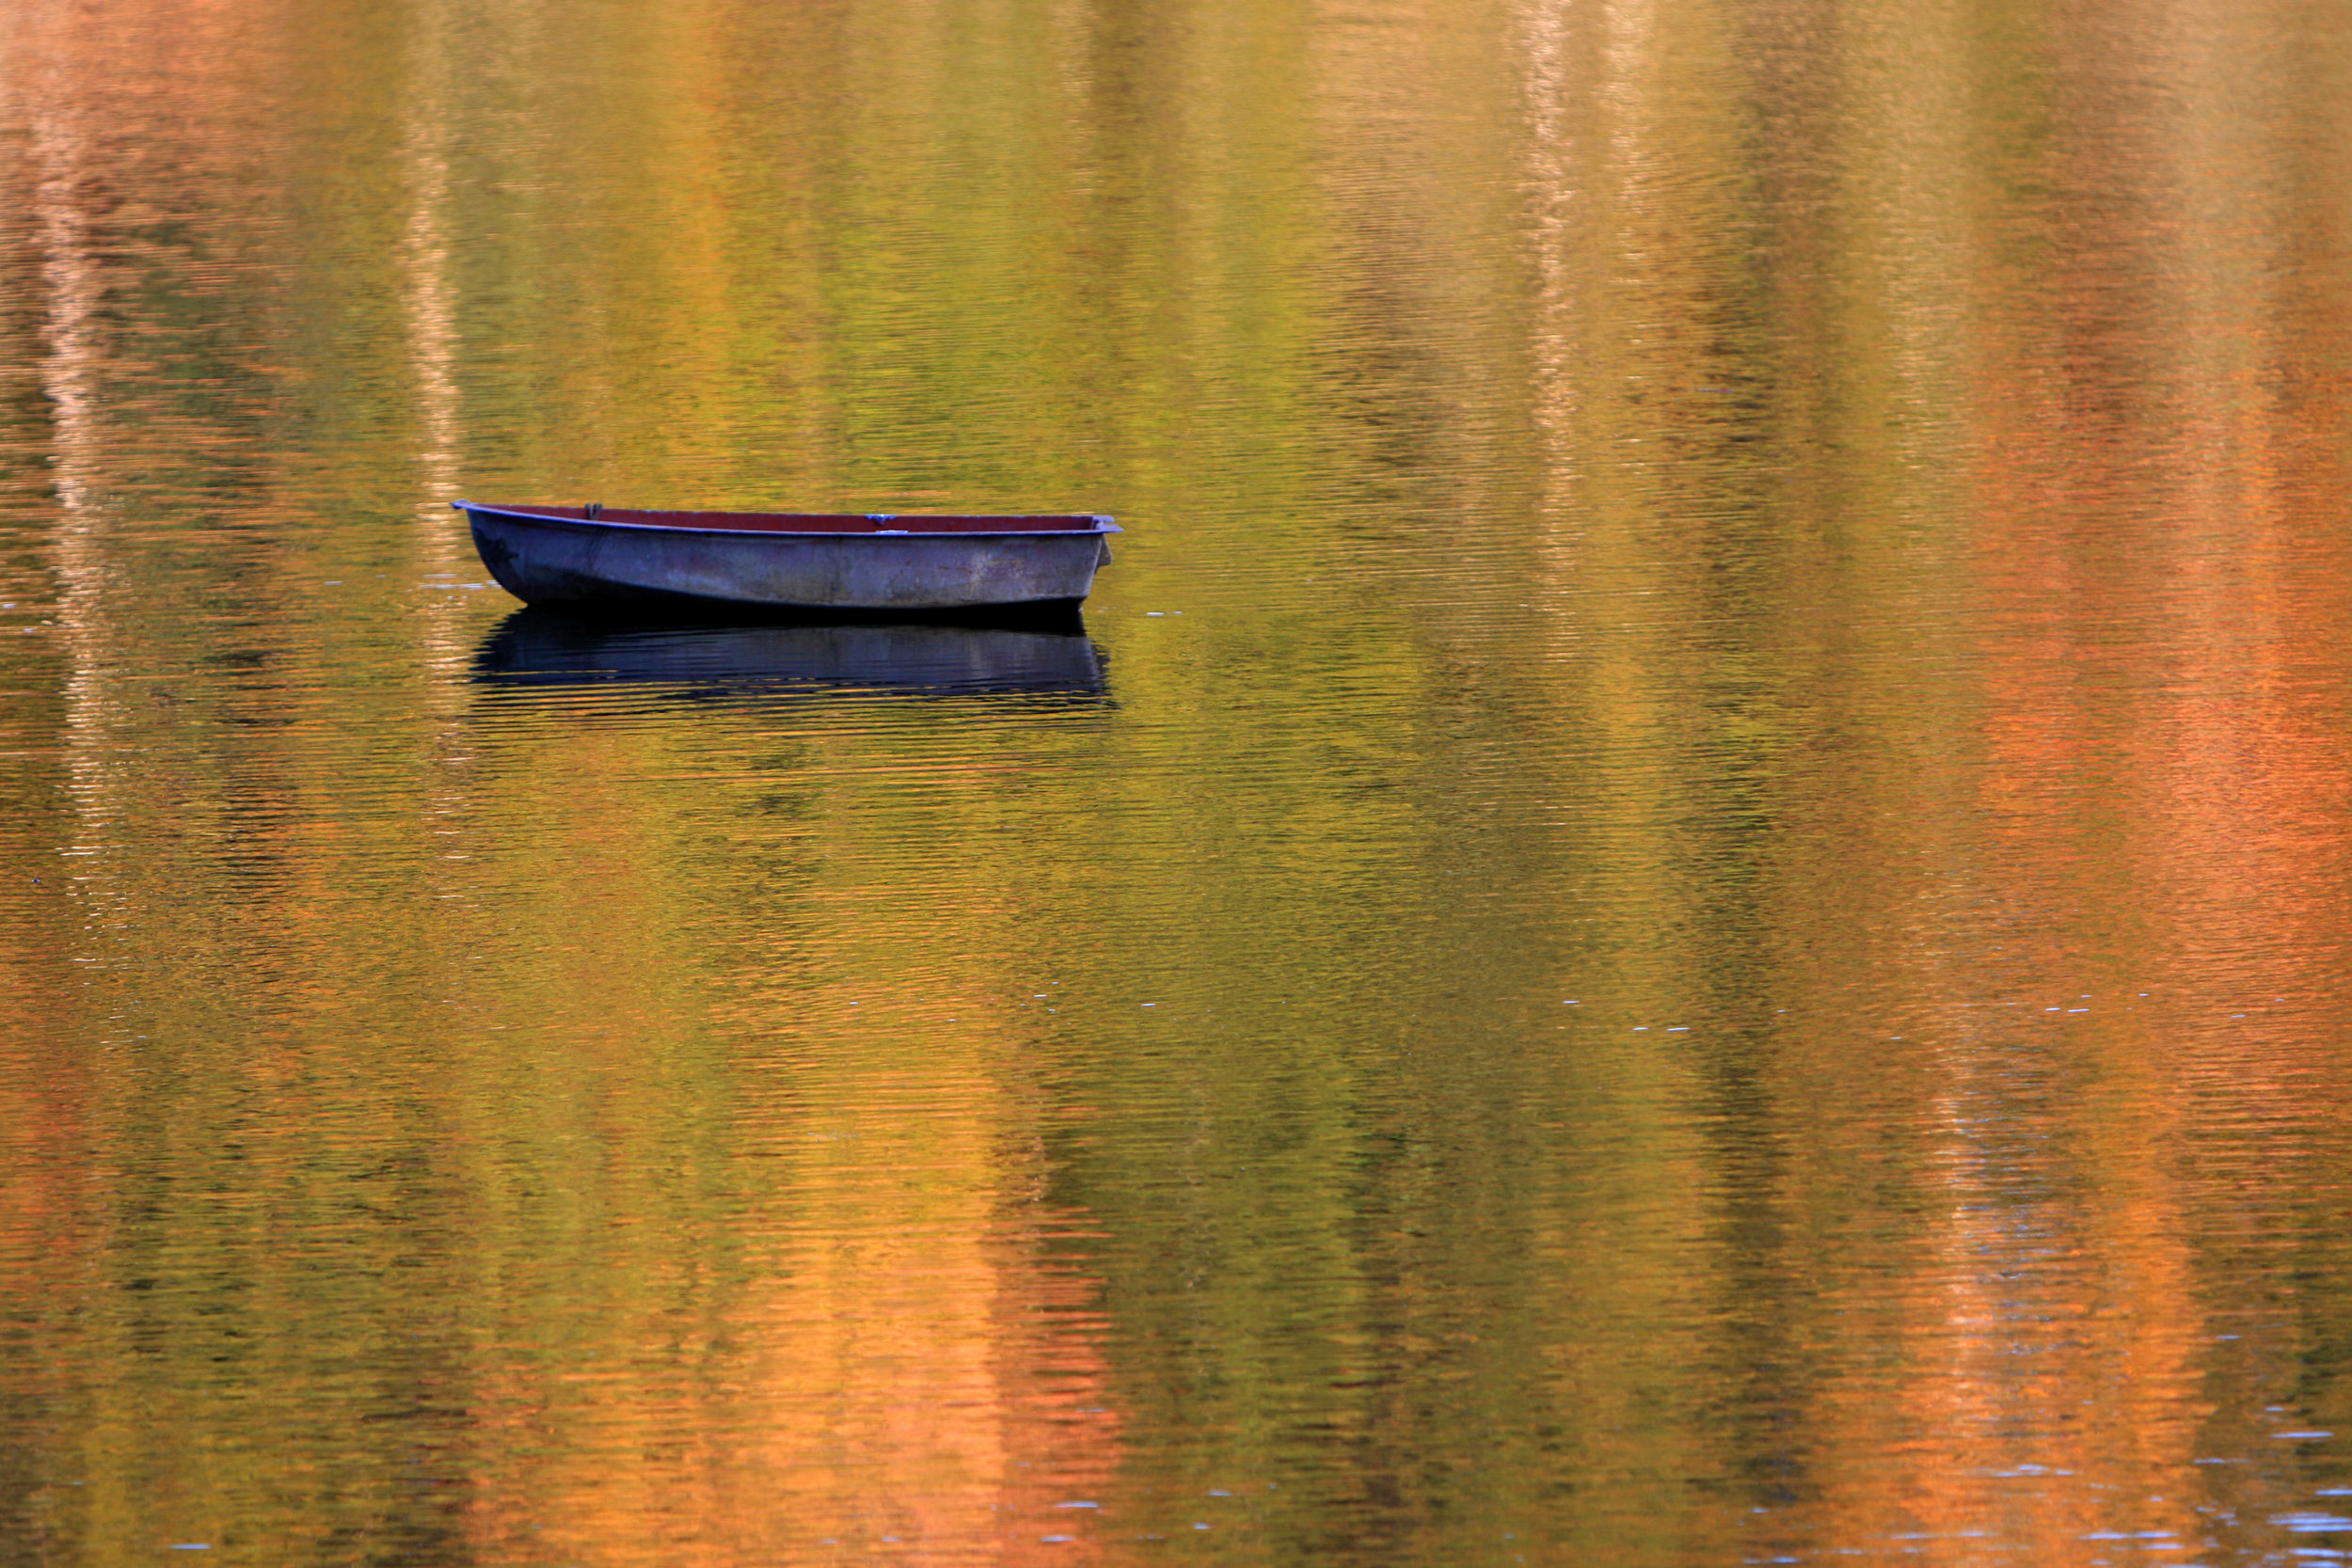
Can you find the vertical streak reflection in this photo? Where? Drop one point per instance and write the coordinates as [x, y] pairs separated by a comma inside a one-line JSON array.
[[431, 313], [66, 176]]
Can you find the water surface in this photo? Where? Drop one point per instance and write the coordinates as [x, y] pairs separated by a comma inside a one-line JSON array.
[[1684, 903]]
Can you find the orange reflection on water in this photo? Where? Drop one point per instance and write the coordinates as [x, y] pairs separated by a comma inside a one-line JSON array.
[[906, 1358]]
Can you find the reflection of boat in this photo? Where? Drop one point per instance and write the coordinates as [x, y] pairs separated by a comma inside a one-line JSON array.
[[540, 647], [591, 557]]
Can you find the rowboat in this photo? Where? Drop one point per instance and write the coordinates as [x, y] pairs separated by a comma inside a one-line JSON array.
[[880, 564], [541, 648]]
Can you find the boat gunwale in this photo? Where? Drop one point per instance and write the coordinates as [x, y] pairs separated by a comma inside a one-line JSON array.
[[1098, 523]]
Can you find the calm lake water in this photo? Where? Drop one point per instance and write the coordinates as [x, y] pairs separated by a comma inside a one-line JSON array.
[[1689, 900]]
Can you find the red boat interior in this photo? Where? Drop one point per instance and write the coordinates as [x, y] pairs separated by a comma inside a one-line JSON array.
[[800, 522]]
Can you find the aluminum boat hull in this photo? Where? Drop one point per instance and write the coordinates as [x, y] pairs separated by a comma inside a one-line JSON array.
[[895, 565]]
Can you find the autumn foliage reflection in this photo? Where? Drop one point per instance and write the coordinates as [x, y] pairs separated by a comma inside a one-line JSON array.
[[1718, 934]]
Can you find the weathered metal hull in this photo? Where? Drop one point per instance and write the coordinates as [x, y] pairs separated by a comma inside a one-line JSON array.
[[601, 565]]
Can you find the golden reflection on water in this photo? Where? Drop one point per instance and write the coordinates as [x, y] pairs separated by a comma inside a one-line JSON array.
[[1688, 906]]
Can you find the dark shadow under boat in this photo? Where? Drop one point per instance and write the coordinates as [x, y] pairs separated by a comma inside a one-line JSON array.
[[534, 648]]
